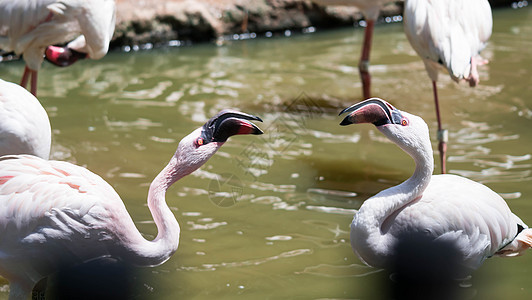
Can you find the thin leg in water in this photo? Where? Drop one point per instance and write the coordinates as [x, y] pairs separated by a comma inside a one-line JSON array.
[[29, 73], [442, 134], [363, 65], [34, 83], [25, 77]]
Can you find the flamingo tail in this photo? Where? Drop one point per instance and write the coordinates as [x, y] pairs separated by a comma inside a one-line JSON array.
[[519, 245]]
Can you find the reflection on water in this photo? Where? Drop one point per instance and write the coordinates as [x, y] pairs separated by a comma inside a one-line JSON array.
[[473, 148], [270, 214]]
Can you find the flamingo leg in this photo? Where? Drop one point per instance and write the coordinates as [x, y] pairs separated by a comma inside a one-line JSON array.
[[33, 89], [474, 77], [25, 77], [363, 65], [29, 73], [442, 133]]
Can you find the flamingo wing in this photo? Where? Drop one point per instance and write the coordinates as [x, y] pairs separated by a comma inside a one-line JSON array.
[[476, 219], [96, 25], [28, 27], [448, 33], [51, 213]]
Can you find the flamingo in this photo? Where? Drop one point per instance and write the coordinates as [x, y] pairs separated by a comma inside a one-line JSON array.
[[55, 214], [370, 9], [448, 35], [31, 28], [24, 124], [443, 207]]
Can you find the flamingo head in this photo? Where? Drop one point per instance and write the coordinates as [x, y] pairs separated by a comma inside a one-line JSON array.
[[196, 148], [408, 131], [63, 56]]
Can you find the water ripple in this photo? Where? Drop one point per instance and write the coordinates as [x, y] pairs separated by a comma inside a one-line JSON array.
[[471, 148], [252, 262], [332, 210], [208, 226], [152, 93], [327, 270]]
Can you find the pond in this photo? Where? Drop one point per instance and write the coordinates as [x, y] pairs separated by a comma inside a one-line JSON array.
[[268, 216]]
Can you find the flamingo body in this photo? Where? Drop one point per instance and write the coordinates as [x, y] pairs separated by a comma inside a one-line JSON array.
[[449, 34], [55, 214], [452, 208], [46, 206], [29, 27], [24, 124], [449, 208]]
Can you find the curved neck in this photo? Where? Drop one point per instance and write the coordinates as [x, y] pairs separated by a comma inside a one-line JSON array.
[[394, 199], [414, 186], [159, 250], [369, 231]]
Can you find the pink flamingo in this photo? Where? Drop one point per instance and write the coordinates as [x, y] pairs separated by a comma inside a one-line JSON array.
[[448, 35], [55, 214], [24, 124], [446, 208], [29, 28]]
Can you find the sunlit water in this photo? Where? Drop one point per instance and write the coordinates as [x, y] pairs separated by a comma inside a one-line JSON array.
[[269, 215]]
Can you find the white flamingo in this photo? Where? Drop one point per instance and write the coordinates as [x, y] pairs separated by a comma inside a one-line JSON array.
[[24, 124], [29, 28], [443, 207], [370, 9], [56, 214], [448, 35]]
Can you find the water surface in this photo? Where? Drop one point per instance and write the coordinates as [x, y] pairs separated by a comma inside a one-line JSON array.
[[269, 215]]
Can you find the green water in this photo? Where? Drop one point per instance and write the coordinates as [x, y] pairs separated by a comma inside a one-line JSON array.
[[268, 216]]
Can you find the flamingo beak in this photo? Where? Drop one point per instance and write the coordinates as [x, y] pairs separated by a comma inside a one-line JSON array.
[[62, 56], [228, 123], [373, 110]]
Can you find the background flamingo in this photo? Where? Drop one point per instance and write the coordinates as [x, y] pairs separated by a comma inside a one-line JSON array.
[[370, 9], [442, 207], [448, 35], [24, 124], [55, 214], [28, 28]]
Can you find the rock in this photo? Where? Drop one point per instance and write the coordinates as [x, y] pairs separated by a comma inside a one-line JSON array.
[[158, 22], [154, 21]]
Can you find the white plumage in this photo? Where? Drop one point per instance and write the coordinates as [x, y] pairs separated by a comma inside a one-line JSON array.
[[29, 27], [443, 207], [448, 35], [55, 214], [24, 124]]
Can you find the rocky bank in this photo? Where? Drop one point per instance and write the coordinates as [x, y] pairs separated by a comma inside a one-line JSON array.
[[158, 22]]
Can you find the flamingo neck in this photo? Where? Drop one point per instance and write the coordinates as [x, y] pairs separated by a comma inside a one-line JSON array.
[[372, 222], [160, 249], [394, 199], [413, 187]]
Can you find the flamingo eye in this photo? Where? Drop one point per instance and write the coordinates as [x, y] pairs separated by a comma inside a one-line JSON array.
[[404, 122], [199, 142]]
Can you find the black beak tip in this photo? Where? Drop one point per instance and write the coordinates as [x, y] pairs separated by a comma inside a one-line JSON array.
[[344, 110], [258, 131], [346, 121]]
